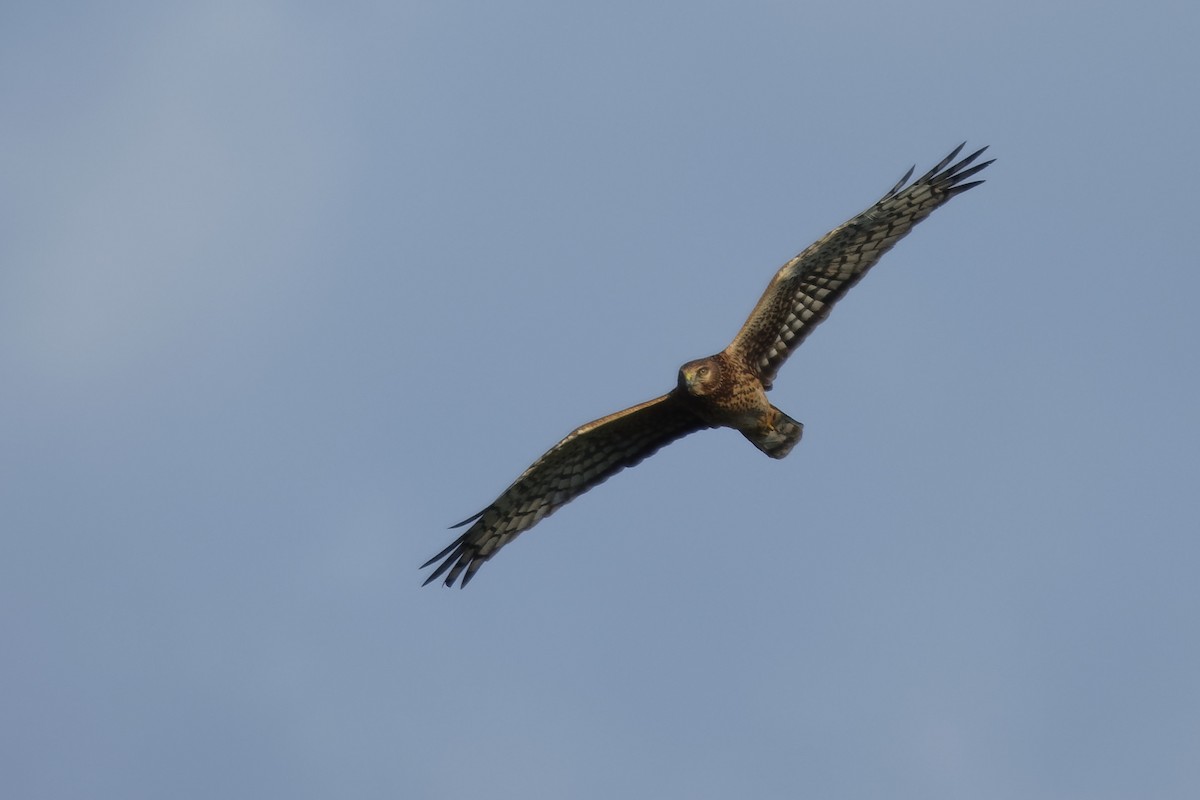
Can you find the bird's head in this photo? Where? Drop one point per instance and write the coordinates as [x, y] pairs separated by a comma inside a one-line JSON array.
[[700, 377]]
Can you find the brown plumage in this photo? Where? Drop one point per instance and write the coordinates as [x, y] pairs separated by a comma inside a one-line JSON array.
[[723, 390]]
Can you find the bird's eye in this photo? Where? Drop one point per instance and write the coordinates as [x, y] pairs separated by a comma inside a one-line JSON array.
[[702, 372]]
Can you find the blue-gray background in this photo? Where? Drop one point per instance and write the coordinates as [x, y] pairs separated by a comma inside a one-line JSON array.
[[285, 289]]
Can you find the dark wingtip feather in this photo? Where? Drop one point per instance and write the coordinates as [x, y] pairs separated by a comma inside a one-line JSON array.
[[962, 188], [471, 518], [958, 176], [949, 180], [437, 573], [445, 552], [460, 563], [941, 164], [955, 170], [900, 183], [454, 558]]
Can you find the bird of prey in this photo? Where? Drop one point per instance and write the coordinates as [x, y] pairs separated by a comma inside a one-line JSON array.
[[723, 390]]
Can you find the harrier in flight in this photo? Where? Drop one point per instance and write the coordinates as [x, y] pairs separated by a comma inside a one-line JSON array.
[[724, 390]]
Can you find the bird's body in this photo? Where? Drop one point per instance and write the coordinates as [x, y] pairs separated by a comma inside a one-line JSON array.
[[725, 392], [727, 389]]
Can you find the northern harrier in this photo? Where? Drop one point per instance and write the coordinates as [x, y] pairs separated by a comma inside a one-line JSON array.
[[724, 390]]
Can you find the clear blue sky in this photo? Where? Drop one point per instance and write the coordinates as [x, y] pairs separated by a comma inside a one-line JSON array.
[[288, 288]]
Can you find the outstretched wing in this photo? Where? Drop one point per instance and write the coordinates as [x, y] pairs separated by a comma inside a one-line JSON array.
[[802, 293], [585, 458]]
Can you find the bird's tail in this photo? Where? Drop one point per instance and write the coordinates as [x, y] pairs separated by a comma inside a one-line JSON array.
[[778, 439]]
